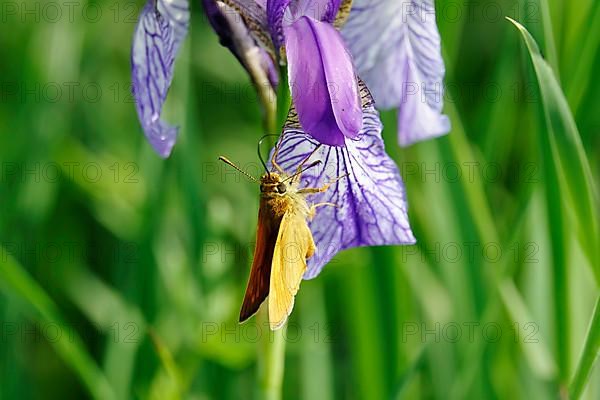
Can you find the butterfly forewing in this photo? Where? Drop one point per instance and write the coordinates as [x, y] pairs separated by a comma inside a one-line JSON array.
[[293, 246], [260, 273]]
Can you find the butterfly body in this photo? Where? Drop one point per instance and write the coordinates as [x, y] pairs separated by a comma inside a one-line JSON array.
[[284, 241], [283, 244]]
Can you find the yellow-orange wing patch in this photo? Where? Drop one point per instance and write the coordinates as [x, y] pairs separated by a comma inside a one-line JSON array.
[[294, 245]]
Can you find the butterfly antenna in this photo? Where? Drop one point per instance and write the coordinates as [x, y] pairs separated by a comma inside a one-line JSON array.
[[312, 164], [262, 161], [226, 161]]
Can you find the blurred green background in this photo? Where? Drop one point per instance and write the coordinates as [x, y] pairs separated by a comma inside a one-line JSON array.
[[121, 275]]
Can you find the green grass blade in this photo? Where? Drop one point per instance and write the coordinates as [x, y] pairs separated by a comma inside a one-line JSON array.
[[110, 313], [587, 46], [591, 348], [554, 198], [549, 43], [566, 153], [409, 375], [535, 351], [70, 347]]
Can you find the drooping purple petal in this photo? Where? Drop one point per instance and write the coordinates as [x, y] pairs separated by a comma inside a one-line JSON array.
[[396, 50], [371, 202], [234, 34], [158, 35], [282, 13], [322, 81]]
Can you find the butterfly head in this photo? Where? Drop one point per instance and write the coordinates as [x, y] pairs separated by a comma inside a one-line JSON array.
[[272, 184]]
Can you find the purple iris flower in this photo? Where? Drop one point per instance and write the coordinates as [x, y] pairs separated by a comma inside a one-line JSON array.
[[371, 208], [331, 108], [396, 50], [321, 74]]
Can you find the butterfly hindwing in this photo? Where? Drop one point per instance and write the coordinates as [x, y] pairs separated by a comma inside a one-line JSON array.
[[293, 246]]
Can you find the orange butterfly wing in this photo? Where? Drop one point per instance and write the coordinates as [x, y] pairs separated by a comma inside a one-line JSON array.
[[260, 273], [294, 245]]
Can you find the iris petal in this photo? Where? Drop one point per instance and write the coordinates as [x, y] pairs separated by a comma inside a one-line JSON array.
[[157, 38], [322, 81], [371, 201], [396, 49]]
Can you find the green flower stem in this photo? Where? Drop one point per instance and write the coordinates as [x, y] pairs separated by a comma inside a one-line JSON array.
[[591, 348], [271, 359], [283, 97], [266, 96], [269, 102]]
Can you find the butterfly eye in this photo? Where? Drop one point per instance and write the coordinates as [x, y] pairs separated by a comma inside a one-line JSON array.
[[281, 188]]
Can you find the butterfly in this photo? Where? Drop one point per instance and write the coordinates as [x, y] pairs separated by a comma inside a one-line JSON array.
[[283, 239]]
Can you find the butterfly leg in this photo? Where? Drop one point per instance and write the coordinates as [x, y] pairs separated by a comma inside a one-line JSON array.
[[299, 167], [297, 175], [322, 188], [313, 209]]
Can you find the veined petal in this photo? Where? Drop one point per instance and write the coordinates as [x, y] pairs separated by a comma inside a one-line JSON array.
[[420, 113], [237, 37], [275, 12], [322, 81], [396, 49], [371, 202], [282, 13], [157, 38]]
